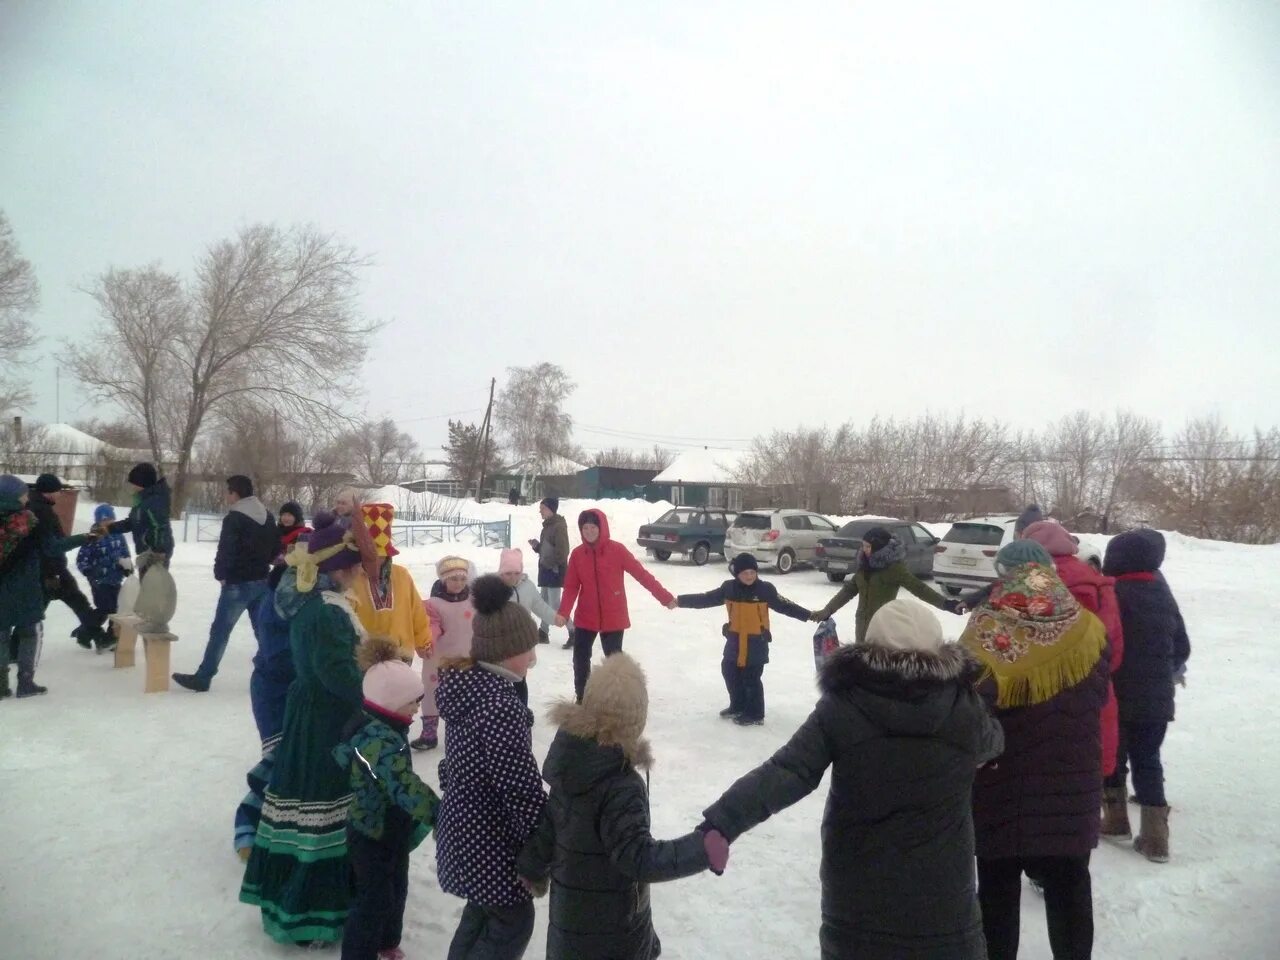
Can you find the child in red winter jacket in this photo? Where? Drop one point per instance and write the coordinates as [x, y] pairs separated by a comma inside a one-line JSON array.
[[594, 582]]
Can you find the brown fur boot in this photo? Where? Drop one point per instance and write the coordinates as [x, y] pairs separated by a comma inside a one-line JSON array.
[[1115, 814], [1153, 835]]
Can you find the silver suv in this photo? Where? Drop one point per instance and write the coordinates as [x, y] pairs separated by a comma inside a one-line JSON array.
[[778, 538]]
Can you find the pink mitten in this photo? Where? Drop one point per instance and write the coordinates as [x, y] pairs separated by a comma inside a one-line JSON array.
[[717, 848]]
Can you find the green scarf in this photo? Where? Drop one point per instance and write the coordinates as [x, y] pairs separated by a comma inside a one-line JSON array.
[[1033, 638]]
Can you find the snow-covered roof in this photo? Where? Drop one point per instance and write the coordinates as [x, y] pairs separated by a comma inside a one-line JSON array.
[[64, 445], [555, 466], [434, 473], [704, 466]]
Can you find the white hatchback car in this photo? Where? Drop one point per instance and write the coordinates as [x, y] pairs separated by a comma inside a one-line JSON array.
[[965, 558], [778, 538]]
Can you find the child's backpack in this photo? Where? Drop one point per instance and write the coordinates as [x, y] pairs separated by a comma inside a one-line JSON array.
[[825, 642]]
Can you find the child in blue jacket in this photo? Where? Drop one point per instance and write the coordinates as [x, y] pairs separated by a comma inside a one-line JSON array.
[[105, 563], [748, 600]]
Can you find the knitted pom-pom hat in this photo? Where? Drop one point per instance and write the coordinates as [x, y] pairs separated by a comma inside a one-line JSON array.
[[501, 629]]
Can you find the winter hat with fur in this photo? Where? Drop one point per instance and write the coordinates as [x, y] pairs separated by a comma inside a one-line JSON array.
[[904, 624], [614, 709], [450, 564], [512, 561], [878, 537], [389, 682], [144, 475], [500, 629]]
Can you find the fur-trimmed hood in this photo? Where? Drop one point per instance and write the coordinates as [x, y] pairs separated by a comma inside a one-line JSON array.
[[908, 692], [886, 556], [853, 665], [605, 733]]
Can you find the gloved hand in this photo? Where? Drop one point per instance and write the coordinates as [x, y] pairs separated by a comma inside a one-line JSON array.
[[717, 848], [954, 606], [536, 887]]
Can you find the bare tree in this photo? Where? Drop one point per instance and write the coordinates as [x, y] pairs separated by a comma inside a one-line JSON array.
[[270, 316], [806, 461], [122, 433], [1132, 442], [19, 296], [380, 452], [530, 412], [658, 458]]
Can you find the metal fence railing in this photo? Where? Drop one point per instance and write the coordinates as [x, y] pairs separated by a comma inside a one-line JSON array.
[[206, 528]]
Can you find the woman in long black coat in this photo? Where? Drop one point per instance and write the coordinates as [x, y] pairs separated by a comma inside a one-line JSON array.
[[901, 727]]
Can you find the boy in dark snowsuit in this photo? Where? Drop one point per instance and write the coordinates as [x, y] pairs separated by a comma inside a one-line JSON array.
[[105, 563], [392, 810], [746, 648]]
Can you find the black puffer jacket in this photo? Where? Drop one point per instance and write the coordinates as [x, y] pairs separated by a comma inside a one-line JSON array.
[[48, 526], [903, 733], [1156, 647], [593, 842]]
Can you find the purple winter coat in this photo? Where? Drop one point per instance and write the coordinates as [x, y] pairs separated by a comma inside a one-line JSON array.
[[1041, 797]]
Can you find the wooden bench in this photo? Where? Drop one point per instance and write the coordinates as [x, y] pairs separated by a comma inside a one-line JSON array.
[[125, 627], [155, 647]]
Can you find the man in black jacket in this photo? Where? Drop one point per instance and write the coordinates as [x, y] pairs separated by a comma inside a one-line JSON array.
[[248, 543], [55, 576]]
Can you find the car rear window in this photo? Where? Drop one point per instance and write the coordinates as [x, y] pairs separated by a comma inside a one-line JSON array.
[[753, 521], [978, 534], [856, 528], [675, 517]]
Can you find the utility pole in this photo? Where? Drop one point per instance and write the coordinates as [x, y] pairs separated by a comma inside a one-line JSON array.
[[485, 430]]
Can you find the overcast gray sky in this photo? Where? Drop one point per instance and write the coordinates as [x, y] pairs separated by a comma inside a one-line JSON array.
[[719, 220]]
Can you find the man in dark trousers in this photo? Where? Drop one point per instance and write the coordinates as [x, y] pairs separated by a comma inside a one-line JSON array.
[[55, 577], [248, 543]]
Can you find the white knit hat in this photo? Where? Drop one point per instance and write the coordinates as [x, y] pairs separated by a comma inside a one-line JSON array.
[[391, 684], [904, 624]]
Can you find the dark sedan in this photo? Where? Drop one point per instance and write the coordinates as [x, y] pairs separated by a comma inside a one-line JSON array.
[[838, 555]]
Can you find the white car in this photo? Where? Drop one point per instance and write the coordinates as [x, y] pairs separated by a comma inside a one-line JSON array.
[[778, 538], [965, 559]]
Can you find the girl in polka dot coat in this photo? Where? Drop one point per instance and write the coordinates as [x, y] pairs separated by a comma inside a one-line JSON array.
[[492, 795]]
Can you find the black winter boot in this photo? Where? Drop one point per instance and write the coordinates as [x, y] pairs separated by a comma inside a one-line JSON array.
[[28, 656], [4, 683]]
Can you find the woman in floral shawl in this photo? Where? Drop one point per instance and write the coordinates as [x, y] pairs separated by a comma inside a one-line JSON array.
[[1035, 809]]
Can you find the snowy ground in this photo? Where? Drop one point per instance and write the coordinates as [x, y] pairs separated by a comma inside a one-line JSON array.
[[116, 832]]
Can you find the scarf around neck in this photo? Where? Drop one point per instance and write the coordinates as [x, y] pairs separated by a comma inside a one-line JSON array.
[[1032, 637]]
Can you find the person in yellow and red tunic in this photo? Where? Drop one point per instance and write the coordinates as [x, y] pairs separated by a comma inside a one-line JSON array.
[[746, 648], [385, 598]]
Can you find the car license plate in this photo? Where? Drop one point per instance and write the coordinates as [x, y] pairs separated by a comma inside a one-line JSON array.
[[966, 561], [837, 566]]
